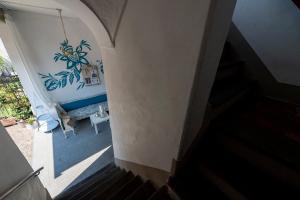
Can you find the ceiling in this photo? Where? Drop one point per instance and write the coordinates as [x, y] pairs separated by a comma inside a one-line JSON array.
[[39, 6]]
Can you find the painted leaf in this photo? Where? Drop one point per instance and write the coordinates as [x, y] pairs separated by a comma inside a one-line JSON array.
[[64, 43], [81, 85], [79, 48], [68, 48], [64, 82], [63, 73], [82, 54], [71, 78], [64, 58], [57, 56], [47, 82], [70, 64], [53, 84], [84, 61], [43, 76], [59, 84], [84, 43], [77, 74]]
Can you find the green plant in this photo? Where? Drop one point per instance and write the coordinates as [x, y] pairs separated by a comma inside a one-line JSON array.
[[30, 120], [13, 101]]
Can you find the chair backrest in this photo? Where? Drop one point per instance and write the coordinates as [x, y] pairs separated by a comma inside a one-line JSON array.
[[60, 109], [59, 112]]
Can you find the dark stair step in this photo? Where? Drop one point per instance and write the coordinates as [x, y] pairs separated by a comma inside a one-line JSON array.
[[101, 186], [220, 183], [234, 71], [216, 111], [143, 192], [222, 93], [161, 194], [230, 64], [104, 194], [275, 145], [127, 189], [190, 184], [228, 52], [288, 178], [243, 177], [88, 182]]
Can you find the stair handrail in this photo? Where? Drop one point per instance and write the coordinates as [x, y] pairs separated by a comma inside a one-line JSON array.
[[21, 183]]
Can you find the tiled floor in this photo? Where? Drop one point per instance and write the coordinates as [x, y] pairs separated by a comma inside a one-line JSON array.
[[68, 161]]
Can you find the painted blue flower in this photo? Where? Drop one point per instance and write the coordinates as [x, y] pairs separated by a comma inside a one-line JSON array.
[[73, 57], [74, 60]]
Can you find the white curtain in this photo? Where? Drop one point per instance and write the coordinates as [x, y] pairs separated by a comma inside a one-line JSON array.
[[36, 92]]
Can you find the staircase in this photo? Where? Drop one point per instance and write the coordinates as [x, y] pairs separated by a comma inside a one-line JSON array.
[[231, 84], [112, 183], [246, 152]]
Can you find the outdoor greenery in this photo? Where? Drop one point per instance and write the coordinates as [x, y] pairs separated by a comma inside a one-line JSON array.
[[13, 101]]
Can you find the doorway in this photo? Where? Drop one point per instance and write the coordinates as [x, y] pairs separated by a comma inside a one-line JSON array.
[[66, 161]]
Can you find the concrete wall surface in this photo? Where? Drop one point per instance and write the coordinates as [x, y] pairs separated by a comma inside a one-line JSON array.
[[149, 77], [271, 27]]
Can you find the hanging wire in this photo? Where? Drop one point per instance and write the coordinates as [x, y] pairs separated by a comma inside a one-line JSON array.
[[62, 23]]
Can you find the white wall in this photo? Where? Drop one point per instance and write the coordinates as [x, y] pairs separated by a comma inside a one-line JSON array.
[[149, 75], [42, 35], [13, 168], [272, 29]]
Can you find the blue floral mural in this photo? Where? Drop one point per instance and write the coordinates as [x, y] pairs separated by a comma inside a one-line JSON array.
[[74, 59]]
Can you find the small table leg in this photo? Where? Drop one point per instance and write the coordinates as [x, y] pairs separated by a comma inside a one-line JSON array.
[[96, 128], [92, 124]]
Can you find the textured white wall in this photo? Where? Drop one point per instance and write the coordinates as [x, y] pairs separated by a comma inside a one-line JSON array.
[[42, 35], [149, 75], [272, 29]]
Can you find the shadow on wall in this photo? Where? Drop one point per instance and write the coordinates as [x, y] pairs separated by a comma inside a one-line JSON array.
[[257, 70], [69, 152]]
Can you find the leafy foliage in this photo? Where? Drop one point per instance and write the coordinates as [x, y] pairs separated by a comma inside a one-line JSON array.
[[13, 101], [74, 59], [81, 85]]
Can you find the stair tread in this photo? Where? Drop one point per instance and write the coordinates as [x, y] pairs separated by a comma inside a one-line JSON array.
[[115, 187], [161, 194], [101, 186], [92, 179], [230, 63], [220, 95], [184, 185], [220, 183], [220, 109], [259, 165], [240, 175], [275, 145], [127, 189], [143, 192], [233, 72]]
